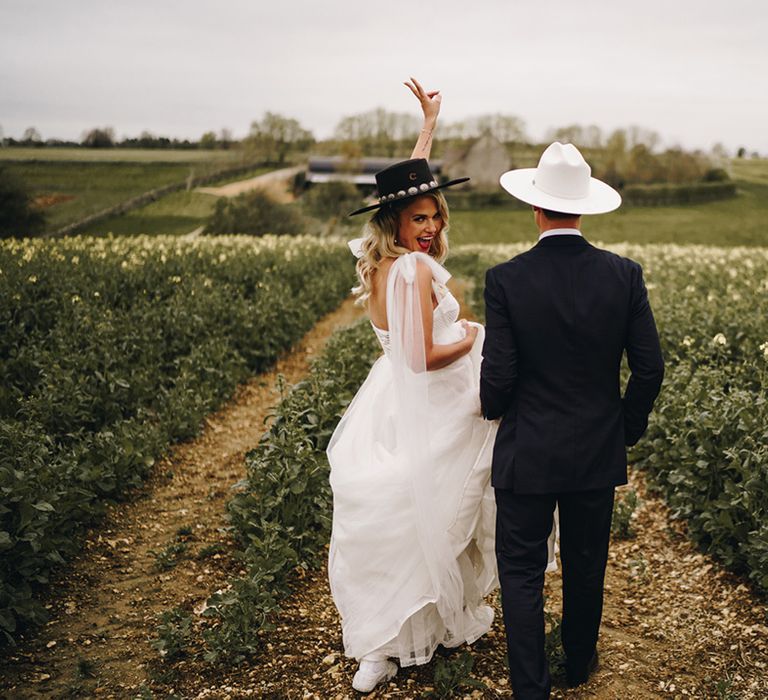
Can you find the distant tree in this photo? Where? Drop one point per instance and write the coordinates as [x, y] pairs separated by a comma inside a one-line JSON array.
[[741, 152], [716, 175], [31, 137], [681, 166], [148, 140], [332, 199], [615, 155], [225, 138], [637, 135], [642, 166], [581, 136], [378, 131], [275, 135], [208, 140], [719, 160], [99, 138], [254, 213], [507, 128], [18, 216], [592, 136], [720, 152]]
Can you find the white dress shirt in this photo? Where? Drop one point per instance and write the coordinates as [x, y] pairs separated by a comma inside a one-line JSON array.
[[560, 232]]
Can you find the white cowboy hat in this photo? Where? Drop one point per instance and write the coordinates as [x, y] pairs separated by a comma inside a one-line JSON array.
[[561, 182]]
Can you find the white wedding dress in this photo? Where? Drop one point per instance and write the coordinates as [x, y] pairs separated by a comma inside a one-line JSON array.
[[412, 546]]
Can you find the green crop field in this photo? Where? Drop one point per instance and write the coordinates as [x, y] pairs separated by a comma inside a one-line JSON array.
[[730, 222], [72, 184], [175, 213], [77, 190]]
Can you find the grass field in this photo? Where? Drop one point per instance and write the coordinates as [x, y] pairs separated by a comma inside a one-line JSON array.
[[88, 188], [750, 170], [93, 180], [176, 213], [738, 221]]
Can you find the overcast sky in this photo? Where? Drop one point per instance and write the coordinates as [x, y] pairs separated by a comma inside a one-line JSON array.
[[691, 70]]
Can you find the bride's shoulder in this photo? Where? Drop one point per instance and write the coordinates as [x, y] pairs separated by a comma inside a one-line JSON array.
[[428, 267]]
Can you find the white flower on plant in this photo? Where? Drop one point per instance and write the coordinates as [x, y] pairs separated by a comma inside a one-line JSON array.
[[32, 279], [76, 299], [687, 341], [719, 339], [764, 348]]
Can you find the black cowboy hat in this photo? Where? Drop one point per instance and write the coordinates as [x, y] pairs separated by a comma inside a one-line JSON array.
[[403, 180]]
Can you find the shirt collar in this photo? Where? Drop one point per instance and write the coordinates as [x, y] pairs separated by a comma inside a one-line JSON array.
[[560, 232]]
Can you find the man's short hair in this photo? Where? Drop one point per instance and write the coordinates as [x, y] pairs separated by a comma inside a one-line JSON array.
[[558, 214]]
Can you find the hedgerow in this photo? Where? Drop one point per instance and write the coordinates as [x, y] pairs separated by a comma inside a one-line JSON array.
[[110, 349]]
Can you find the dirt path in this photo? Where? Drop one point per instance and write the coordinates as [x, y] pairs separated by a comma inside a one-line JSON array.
[[674, 626], [103, 608], [277, 183]]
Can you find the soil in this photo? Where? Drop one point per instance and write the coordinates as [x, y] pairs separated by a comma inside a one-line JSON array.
[[675, 625], [44, 201]]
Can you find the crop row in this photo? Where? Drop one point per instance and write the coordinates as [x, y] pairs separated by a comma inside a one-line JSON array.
[[110, 349], [707, 443], [281, 511]]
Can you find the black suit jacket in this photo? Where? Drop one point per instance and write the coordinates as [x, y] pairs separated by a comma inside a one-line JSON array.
[[558, 320]]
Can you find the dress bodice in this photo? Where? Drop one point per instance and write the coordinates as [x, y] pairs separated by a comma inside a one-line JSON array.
[[444, 317]]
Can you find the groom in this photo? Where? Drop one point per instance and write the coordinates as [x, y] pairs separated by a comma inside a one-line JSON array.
[[558, 319]]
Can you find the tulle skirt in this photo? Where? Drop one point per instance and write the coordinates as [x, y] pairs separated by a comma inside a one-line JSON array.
[[379, 566]]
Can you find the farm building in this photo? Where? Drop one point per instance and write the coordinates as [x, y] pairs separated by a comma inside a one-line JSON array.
[[360, 171], [483, 161]]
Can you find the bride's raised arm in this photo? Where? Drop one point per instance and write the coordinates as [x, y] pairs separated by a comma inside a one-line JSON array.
[[430, 106]]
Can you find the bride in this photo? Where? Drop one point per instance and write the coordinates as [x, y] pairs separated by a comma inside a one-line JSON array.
[[412, 546]]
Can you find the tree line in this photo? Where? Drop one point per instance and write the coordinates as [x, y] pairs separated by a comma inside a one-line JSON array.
[[380, 132]]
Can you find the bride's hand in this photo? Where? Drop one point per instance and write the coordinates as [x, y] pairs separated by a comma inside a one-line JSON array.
[[470, 330], [430, 101]]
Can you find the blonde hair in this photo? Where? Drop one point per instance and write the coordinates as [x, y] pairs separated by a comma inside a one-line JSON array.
[[380, 241]]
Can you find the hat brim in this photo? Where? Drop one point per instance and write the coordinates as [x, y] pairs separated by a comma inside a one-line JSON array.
[[409, 196], [601, 199]]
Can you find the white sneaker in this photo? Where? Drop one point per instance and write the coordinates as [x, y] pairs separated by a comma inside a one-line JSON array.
[[371, 673]]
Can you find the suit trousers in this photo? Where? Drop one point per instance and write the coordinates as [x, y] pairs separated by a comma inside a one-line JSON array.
[[523, 523]]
